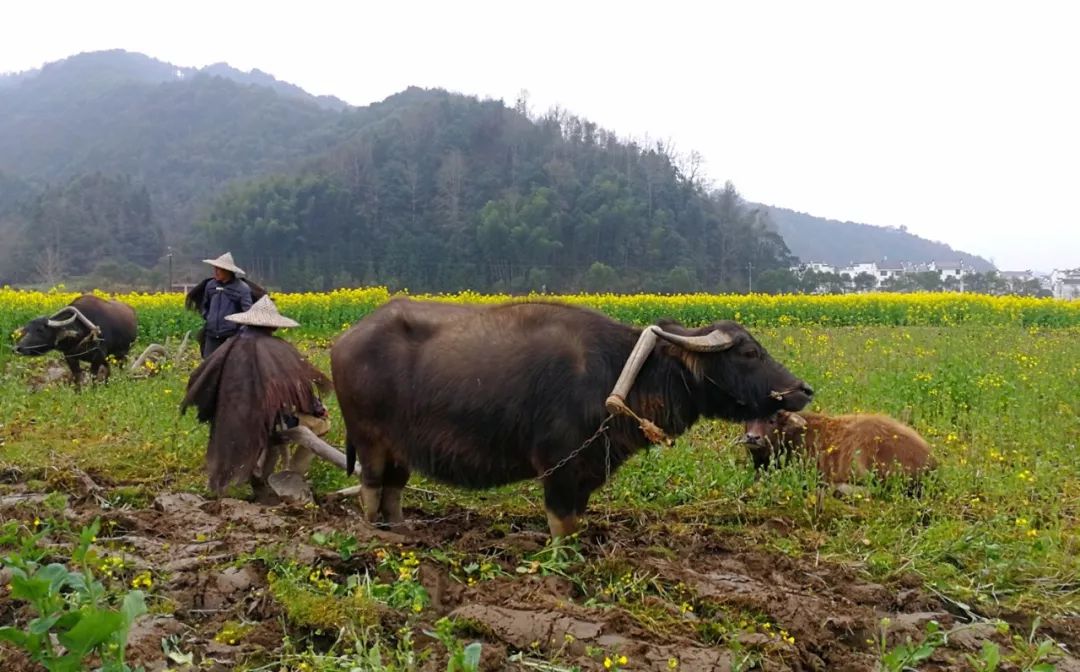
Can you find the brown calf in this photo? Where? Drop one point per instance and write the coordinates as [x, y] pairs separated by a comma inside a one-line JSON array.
[[845, 447]]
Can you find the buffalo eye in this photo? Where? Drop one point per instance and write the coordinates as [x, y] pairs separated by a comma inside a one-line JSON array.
[[750, 353]]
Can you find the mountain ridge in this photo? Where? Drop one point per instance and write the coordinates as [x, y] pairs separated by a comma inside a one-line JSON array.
[[126, 65], [192, 134], [843, 243]]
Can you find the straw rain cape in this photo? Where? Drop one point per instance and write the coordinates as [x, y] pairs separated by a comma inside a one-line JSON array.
[[240, 390]]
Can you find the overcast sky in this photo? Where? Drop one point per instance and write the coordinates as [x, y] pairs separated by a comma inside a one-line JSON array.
[[960, 120]]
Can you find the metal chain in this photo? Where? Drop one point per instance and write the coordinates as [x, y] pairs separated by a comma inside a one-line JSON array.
[[430, 521], [602, 431]]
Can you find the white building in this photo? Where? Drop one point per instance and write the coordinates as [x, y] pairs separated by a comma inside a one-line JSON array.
[[1017, 276], [1065, 284], [815, 266], [889, 270], [869, 268], [948, 269], [819, 267]]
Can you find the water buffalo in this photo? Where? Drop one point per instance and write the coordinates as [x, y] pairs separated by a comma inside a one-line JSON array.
[[843, 446], [89, 329], [483, 396]]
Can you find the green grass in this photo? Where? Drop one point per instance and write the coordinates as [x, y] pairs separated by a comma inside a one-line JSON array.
[[997, 525]]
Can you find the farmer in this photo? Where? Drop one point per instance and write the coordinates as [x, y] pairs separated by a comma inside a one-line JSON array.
[[254, 385], [224, 294]]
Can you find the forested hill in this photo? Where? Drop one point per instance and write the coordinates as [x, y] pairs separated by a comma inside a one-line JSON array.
[[181, 133], [442, 191], [843, 243], [108, 157], [427, 189]]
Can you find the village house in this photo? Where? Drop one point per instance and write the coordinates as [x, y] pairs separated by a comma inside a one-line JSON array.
[[1065, 284], [948, 269]]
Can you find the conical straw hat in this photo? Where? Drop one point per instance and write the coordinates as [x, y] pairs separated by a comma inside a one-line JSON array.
[[263, 313], [225, 261]]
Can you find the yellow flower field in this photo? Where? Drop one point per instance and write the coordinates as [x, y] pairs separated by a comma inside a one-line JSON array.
[[161, 315]]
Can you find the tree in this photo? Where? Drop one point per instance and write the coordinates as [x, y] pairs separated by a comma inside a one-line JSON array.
[[778, 281], [90, 219], [600, 278], [50, 267], [864, 282]]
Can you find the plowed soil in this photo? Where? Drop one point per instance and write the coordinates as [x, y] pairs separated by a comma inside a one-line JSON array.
[[203, 553]]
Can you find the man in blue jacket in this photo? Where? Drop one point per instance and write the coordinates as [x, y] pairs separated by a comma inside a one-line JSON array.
[[225, 294]]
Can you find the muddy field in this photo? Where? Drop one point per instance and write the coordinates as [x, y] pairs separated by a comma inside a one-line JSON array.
[[675, 591], [688, 560]]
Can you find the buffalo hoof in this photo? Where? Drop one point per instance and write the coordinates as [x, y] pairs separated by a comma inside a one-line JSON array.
[[562, 526]]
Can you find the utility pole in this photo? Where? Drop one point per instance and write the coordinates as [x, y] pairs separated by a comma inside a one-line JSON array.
[[169, 255], [749, 277]]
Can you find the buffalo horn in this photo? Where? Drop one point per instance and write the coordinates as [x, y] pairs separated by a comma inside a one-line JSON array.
[[53, 322], [76, 314], [711, 342], [616, 401]]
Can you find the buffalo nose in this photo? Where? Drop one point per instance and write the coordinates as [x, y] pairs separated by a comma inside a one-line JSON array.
[[751, 437], [807, 390]]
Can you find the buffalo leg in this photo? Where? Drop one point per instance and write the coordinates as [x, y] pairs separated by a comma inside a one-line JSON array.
[[586, 486], [394, 479], [371, 500], [97, 366], [372, 458], [76, 372], [560, 498]]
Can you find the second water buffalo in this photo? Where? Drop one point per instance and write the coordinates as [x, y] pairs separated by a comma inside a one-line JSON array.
[[89, 329], [480, 396], [844, 447]]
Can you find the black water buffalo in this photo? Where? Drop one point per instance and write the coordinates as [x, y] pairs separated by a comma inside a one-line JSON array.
[[484, 396], [89, 329]]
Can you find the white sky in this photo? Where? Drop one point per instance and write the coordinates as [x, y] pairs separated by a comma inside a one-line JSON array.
[[960, 120]]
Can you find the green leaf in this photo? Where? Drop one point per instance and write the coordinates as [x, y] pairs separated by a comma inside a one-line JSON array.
[[991, 656], [57, 575], [471, 656], [72, 662], [32, 589], [39, 626], [922, 653], [15, 636], [133, 607], [1044, 667], [68, 620], [95, 627]]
